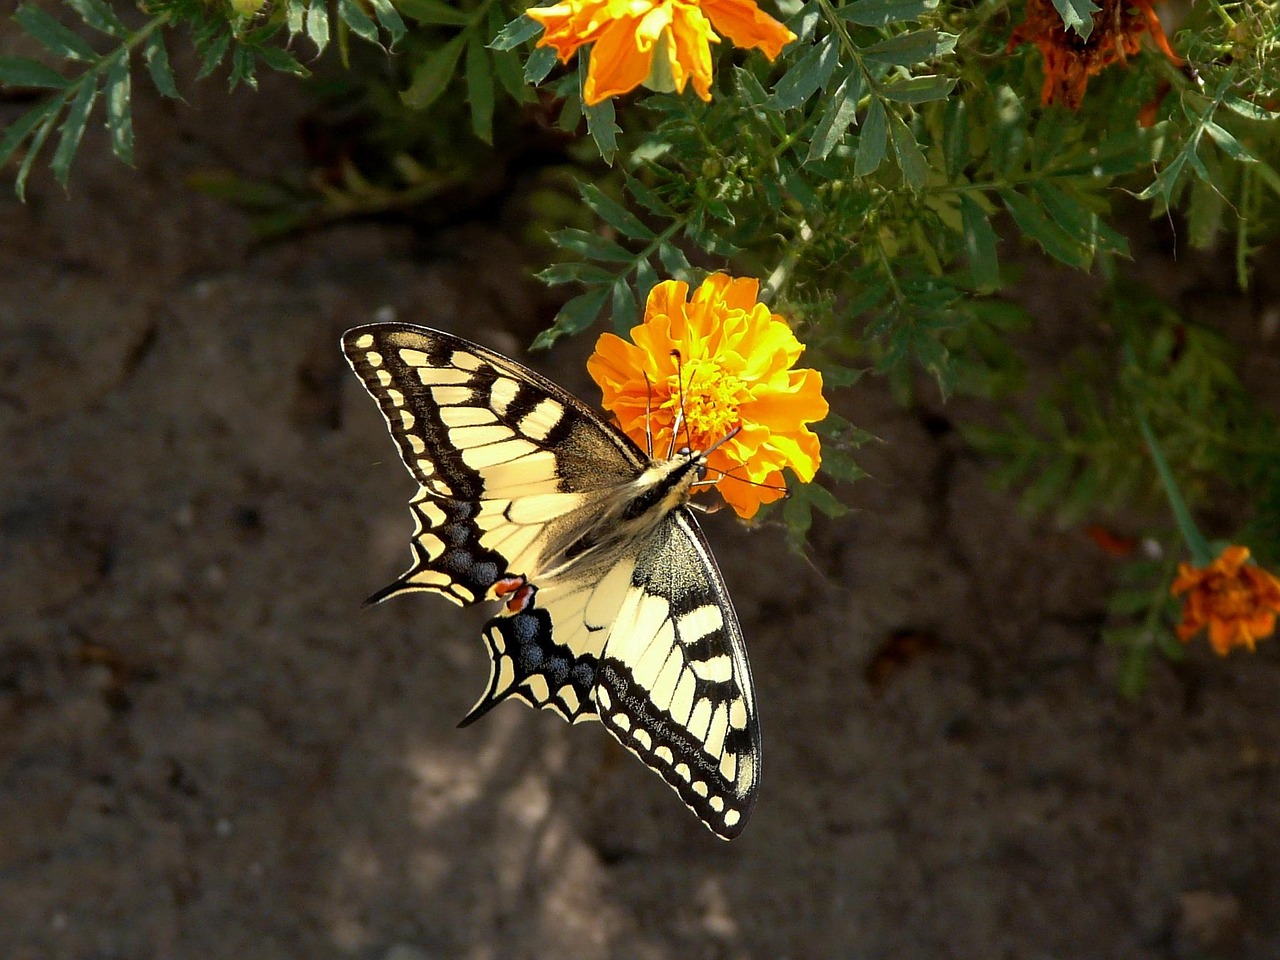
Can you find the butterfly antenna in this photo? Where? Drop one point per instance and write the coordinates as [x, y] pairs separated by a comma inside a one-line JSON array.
[[648, 415], [681, 419], [751, 483], [723, 440]]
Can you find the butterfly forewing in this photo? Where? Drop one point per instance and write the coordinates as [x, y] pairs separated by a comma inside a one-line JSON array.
[[512, 470], [480, 432], [472, 424]]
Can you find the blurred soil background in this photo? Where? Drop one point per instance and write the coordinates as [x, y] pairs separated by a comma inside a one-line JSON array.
[[209, 750]]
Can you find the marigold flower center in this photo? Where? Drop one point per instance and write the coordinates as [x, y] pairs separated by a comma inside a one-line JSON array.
[[711, 398]]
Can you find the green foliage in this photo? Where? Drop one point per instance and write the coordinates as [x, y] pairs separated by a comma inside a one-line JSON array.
[[98, 53], [876, 177], [1080, 455], [1141, 612]]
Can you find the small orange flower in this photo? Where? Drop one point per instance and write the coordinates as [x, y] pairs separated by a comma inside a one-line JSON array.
[[1069, 60], [661, 43], [733, 363], [1237, 601]]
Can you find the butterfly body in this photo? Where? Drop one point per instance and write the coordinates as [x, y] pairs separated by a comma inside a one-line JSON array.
[[613, 608]]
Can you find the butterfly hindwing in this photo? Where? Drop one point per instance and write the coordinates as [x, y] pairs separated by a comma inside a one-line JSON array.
[[526, 661], [673, 683]]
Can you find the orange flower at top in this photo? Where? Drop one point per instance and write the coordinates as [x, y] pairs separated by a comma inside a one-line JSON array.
[[1069, 60], [1236, 600], [736, 369], [660, 43]]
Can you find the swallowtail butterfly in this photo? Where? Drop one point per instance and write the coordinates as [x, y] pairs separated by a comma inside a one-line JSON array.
[[613, 608]]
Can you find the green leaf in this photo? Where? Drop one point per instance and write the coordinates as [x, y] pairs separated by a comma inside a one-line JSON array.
[[674, 261], [1078, 221], [433, 74], [910, 48], [1119, 153], [539, 64], [590, 245], [614, 213], [748, 88], [879, 13], [361, 25], [1249, 110], [812, 72], [119, 115], [919, 89], [212, 47], [914, 167], [838, 114], [21, 72], [872, 140], [824, 500], [277, 58], [158, 64], [569, 87], [979, 245], [574, 317], [1032, 221], [507, 69], [318, 24], [54, 36], [797, 516], [648, 198], [515, 33], [575, 271], [243, 64], [955, 138], [295, 16], [18, 131], [43, 117], [434, 12], [600, 124], [389, 19], [99, 16], [623, 307], [646, 279], [72, 129], [1229, 144], [1077, 15], [480, 89]]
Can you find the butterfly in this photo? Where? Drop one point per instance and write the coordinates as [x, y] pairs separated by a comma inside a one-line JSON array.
[[613, 608]]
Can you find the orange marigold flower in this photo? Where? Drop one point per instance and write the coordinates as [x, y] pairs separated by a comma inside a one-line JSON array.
[[660, 43], [733, 362], [1070, 60], [1236, 600]]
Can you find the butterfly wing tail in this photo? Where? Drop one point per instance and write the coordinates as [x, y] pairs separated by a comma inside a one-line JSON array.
[[526, 662]]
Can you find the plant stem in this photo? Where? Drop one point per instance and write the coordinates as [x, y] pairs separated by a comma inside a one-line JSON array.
[[1201, 554]]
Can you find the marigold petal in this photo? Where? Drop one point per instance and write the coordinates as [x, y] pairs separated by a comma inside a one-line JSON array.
[[666, 298], [691, 50], [612, 363], [746, 25], [1231, 560], [801, 402], [618, 64], [735, 293], [568, 26]]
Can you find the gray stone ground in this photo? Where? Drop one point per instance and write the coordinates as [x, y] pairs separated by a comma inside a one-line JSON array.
[[208, 750]]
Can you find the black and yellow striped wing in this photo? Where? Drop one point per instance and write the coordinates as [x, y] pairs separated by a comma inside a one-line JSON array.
[[510, 467], [674, 685]]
